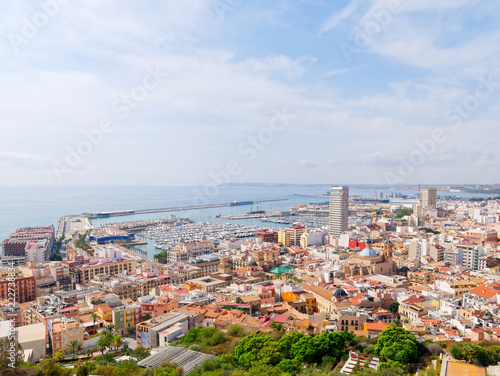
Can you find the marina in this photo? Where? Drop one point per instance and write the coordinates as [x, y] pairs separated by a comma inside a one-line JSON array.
[[167, 237]]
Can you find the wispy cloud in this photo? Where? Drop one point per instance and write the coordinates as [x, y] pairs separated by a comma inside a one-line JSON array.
[[339, 16]]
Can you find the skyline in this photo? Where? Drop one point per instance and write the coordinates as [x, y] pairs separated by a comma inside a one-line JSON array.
[[376, 93]]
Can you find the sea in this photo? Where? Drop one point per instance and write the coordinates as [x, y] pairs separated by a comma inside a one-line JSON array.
[[42, 206]]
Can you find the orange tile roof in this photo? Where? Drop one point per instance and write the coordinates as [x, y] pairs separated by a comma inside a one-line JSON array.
[[483, 292], [376, 326]]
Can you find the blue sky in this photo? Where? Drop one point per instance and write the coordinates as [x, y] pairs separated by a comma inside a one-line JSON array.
[[363, 82]]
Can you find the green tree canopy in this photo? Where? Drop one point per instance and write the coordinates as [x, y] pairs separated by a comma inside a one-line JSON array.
[[397, 344], [393, 307], [257, 349]]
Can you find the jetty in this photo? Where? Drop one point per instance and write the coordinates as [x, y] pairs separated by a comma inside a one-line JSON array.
[[177, 208]]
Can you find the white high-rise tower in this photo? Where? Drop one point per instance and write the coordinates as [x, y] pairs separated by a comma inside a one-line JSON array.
[[339, 211]]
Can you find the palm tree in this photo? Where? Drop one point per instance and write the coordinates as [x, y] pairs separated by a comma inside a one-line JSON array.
[[146, 316], [103, 344], [94, 316], [110, 328], [74, 345], [58, 355], [117, 342]]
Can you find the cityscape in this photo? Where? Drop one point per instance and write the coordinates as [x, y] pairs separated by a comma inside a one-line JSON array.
[[250, 188], [425, 266]]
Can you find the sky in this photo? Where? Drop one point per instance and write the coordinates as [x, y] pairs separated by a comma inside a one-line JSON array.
[[193, 92]]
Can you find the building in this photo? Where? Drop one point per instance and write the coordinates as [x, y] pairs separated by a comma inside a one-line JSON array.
[[437, 252], [208, 264], [33, 243], [293, 239], [144, 281], [428, 197], [209, 284], [422, 277], [324, 298], [63, 331], [267, 236], [314, 238], [482, 235], [24, 288], [49, 276], [122, 289], [105, 266], [284, 238], [454, 256], [126, 317], [338, 211], [186, 251], [369, 261], [350, 320], [159, 331], [31, 338], [474, 258], [12, 314]]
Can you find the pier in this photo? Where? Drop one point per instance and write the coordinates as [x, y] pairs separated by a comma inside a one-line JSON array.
[[178, 208]]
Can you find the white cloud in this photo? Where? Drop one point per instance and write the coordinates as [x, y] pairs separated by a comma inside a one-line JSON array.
[[308, 163]]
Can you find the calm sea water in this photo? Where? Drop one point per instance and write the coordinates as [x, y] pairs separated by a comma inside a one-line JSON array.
[[44, 206]]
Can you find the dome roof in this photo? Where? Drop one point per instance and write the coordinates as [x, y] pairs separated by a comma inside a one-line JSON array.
[[252, 263], [339, 293], [368, 252], [387, 242], [404, 269]]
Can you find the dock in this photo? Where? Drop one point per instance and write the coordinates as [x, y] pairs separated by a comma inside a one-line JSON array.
[[177, 208]]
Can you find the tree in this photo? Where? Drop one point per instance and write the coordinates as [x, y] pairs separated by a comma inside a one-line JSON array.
[[127, 368], [161, 257], [276, 327], [74, 346], [393, 307], [110, 328], [146, 316], [312, 349], [58, 355], [104, 342], [472, 351], [105, 370], [397, 344], [286, 342], [117, 342], [94, 316], [263, 369], [85, 369], [141, 353], [49, 367], [257, 349], [5, 353], [236, 330]]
